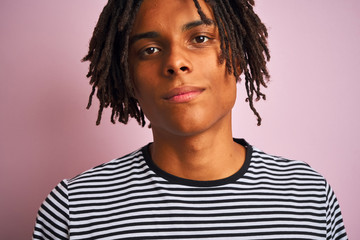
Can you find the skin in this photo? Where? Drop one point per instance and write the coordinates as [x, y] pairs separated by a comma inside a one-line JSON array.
[[184, 91]]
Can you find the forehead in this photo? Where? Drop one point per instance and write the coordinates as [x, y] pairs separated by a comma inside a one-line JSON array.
[[165, 12]]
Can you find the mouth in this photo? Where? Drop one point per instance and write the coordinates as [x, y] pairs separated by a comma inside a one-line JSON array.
[[183, 94]]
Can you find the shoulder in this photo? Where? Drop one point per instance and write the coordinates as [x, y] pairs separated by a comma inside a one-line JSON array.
[[115, 168], [261, 158], [54, 214], [281, 167]]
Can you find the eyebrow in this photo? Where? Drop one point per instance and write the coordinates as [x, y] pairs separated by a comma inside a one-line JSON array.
[[196, 23], [145, 35], [153, 34]]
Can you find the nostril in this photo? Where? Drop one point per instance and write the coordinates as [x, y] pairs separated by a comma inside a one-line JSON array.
[[172, 71]]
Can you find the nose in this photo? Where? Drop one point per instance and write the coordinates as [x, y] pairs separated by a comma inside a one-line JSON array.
[[177, 62]]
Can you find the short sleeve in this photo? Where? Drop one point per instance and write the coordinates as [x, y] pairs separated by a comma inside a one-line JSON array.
[[53, 217], [335, 229]]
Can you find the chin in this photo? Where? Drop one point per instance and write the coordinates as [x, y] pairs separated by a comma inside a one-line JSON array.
[[194, 127]]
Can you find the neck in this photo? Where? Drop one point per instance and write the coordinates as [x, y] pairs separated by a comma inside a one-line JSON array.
[[206, 156]]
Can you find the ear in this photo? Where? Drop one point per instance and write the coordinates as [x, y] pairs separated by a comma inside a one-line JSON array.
[[135, 95], [238, 68], [133, 91]]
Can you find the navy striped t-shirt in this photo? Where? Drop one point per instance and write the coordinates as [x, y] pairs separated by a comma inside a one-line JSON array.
[[131, 198]]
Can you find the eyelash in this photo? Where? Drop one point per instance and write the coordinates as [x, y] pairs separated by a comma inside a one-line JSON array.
[[147, 54], [156, 49], [201, 36]]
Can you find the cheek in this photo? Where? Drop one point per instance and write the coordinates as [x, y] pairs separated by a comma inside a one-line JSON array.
[[139, 80], [141, 90], [220, 78], [225, 88], [144, 75], [145, 89]]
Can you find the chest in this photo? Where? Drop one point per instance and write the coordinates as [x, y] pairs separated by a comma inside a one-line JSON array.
[[256, 209]]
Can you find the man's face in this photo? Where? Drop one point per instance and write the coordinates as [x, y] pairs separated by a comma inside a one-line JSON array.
[[174, 62]]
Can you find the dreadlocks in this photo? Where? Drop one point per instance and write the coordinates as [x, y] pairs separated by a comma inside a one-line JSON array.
[[242, 41]]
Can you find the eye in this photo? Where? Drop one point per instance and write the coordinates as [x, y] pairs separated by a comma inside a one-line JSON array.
[[150, 51], [200, 39]]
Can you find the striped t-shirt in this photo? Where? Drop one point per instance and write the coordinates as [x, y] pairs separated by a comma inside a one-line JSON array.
[[131, 198]]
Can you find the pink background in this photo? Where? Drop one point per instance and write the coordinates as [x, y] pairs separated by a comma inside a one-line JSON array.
[[312, 111]]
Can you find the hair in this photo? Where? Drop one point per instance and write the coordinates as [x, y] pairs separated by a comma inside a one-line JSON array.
[[243, 41]]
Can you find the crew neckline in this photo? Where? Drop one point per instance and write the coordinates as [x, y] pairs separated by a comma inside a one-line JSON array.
[[196, 183]]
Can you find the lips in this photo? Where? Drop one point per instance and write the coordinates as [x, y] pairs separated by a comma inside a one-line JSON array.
[[183, 94]]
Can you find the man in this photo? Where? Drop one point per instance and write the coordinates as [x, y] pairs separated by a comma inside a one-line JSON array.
[[177, 62]]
